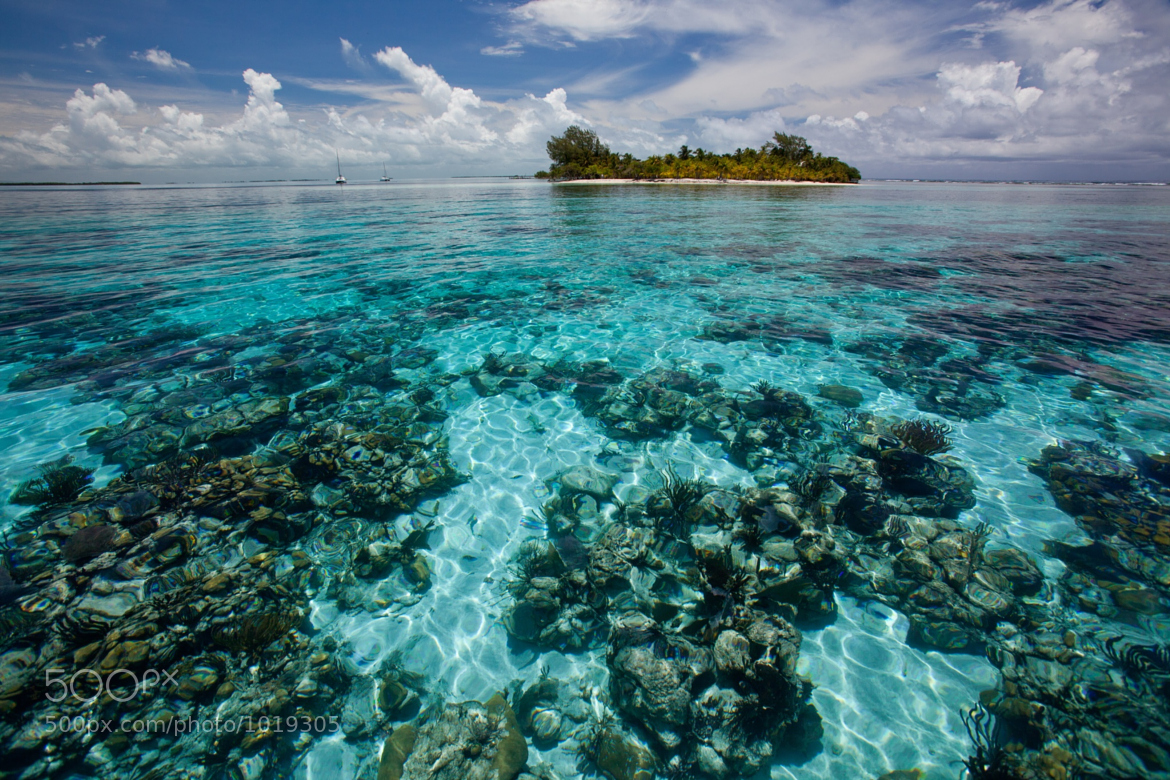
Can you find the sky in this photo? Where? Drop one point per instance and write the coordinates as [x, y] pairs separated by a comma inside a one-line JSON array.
[[161, 91]]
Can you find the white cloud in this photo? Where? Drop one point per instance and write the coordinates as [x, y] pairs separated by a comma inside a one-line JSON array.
[[1051, 27], [353, 56], [538, 118], [585, 20], [755, 49], [434, 89], [450, 125], [510, 49], [590, 20], [160, 59], [90, 43], [991, 84], [753, 130], [1064, 81], [984, 115]]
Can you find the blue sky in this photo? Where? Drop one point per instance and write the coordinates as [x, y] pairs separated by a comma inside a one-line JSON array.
[[163, 91]]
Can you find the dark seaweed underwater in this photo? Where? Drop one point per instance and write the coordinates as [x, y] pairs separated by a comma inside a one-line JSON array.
[[497, 479]]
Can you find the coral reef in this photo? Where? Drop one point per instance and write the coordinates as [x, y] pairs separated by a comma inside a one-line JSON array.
[[293, 466], [923, 436]]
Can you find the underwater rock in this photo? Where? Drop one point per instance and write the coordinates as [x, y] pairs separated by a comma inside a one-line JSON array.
[[88, 542], [652, 405], [469, 741], [112, 606], [732, 652], [376, 371], [1105, 494], [1140, 600], [771, 331], [250, 418], [547, 725], [1017, 568], [199, 679], [395, 752], [930, 487], [552, 606], [938, 635], [358, 714], [394, 696], [619, 755], [584, 479], [848, 397], [382, 472], [731, 695], [731, 744], [942, 581], [17, 670], [652, 675], [319, 399], [959, 388], [509, 373], [619, 549], [377, 559]]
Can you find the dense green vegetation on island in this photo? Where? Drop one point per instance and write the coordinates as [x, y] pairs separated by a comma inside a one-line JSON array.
[[580, 154]]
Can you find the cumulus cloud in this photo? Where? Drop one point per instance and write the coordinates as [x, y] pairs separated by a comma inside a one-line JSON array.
[[537, 117], [1057, 79], [983, 114], [451, 125], [90, 43], [1062, 80], [433, 87], [94, 135], [160, 59], [991, 84], [1074, 81]]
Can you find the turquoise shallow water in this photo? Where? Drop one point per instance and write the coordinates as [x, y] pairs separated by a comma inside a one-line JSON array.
[[1021, 316]]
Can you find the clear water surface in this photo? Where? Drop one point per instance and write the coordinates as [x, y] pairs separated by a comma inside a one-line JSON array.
[[633, 275]]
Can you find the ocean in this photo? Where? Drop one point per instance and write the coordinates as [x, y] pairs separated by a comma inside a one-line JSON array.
[[702, 481]]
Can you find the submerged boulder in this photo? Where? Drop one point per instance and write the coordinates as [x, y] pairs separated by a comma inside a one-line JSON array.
[[468, 741]]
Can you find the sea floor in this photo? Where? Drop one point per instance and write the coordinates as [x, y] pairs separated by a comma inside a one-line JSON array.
[[366, 455]]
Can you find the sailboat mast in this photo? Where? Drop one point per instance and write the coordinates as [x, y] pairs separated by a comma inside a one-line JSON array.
[[338, 156]]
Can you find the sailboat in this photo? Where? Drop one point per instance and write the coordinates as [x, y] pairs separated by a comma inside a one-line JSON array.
[[385, 176], [340, 179]]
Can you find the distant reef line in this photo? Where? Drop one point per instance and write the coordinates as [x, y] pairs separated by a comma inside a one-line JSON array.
[[64, 183], [579, 155]]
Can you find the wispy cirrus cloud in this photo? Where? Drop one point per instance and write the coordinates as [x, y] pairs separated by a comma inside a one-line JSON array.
[[353, 56], [160, 59], [89, 43], [1060, 81], [509, 49], [584, 20], [885, 84]]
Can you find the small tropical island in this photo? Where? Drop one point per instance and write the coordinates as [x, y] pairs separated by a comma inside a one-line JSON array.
[[579, 155]]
